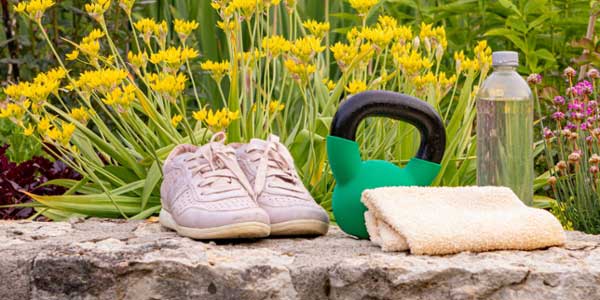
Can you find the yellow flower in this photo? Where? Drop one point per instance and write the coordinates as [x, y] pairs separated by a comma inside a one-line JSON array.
[[356, 86], [459, 57], [413, 62], [90, 46], [363, 6], [227, 26], [12, 110], [173, 57], [80, 114], [329, 83], [275, 45], [343, 54], [97, 8], [200, 115], [176, 119], [102, 80], [421, 81], [35, 8], [67, 131], [63, 136], [216, 69], [248, 58], [483, 53], [168, 85], [377, 36], [146, 27], [138, 60], [318, 29], [246, 7], [470, 65], [73, 55], [275, 106], [44, 124], [126, 5], [28, 130], [212, 118], [299, 71], [217, 119], [306, 47], [121, 98], [184, 28], [433, 36], [445, 82], [233, 115]]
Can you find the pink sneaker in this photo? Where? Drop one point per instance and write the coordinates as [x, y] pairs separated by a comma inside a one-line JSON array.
[[205, 194], [279, 191]]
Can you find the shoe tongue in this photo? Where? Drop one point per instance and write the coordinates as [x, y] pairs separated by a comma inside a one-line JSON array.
[[217, 147], [260, 144]]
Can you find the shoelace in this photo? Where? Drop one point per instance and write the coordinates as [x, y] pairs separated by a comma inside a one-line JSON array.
[[218, 166], [274, 164]]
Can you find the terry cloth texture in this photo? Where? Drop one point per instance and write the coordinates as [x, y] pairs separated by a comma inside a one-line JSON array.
[[446, 220]]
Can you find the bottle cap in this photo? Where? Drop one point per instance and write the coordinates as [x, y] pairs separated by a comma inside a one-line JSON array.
[[505, 58]]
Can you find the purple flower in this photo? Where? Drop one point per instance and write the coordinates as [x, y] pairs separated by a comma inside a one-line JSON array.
[[589, 139], [559, 100], [569, 72], [584, 126], [593, 104], [577, 116], [548, 134], [582, 88], [534, 79], [570, 127], [576, 105], [593, 74], [559, 115]]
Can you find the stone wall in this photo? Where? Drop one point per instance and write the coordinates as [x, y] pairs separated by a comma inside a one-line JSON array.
[[102, 259]]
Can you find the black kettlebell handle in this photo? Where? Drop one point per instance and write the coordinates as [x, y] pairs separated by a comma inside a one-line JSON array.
[[397, 106]]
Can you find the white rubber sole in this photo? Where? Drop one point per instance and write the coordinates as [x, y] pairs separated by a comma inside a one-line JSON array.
[[233, 231], [300, 227]]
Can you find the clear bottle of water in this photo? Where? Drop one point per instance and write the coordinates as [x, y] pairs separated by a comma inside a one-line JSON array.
[[505, 128]]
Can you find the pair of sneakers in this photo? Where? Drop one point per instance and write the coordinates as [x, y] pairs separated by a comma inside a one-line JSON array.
[[252, 190]]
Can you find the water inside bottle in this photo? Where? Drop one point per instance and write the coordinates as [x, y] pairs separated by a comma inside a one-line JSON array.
[[505, 141]]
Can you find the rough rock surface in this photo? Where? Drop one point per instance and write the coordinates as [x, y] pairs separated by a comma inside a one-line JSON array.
[[102, 259]]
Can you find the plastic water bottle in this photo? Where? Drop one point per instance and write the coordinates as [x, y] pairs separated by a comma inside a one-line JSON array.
[[505, 128]]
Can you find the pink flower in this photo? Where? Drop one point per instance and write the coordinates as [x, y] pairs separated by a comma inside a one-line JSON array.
[[569, 72], [559, 100], [534, 79], [558, 115], [593, 74], [575, 105], [548, 134], [582, 88]]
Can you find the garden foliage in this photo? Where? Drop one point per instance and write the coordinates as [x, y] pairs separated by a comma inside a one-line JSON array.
[[113, 114]]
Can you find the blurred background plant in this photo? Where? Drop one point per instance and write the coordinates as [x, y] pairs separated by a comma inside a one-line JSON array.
[[265, 67], [572, 144]]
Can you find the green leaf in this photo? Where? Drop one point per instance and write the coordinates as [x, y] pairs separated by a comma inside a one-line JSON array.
[[154, 176], [146, 213], [509, 5], [510, 35], [545, 54]]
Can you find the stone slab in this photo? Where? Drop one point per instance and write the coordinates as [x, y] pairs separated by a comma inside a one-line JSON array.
[[111, 259]]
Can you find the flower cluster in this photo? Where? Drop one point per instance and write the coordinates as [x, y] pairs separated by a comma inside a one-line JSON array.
[[572, 140], [216, 119], [34, 9]]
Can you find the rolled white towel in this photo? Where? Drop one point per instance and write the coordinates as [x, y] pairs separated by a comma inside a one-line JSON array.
[[445, 220]]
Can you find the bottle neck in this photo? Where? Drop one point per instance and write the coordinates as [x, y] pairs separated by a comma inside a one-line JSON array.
[[504, 68]]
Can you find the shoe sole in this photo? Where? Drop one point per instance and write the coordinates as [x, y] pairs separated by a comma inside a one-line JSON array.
[[232, 231], [300, 227]]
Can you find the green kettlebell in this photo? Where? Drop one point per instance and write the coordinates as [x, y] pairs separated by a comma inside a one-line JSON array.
[[354, 175]]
